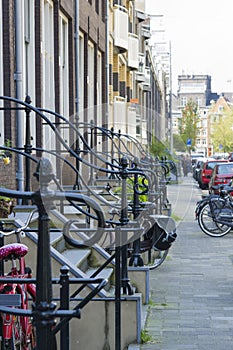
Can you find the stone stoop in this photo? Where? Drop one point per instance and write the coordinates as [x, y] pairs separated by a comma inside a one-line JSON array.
[[98, 316], [77, 260]]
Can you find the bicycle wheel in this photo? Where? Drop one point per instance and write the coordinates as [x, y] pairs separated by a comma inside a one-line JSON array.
[[207, 223], [29, 338], [18, 340], [158, 259], [14, 341], [17, 334]]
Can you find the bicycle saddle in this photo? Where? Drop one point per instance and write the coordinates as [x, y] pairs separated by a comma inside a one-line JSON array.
[[13, 251]]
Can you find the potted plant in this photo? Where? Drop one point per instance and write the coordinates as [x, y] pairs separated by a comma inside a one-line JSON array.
[[6, 206]]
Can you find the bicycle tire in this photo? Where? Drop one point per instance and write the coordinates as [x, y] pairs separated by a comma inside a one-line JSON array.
[[13, 343], [159, 259], [30, 337], [19, 340], [208, 225]]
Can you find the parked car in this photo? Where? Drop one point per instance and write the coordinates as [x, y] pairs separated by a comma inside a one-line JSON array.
[[222, 174], [205, 172], [196, 166], [230, 157], [195, 158]]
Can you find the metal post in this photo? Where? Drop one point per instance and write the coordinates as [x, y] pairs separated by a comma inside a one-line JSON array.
[[136, 258], [76, 38], [118, 293], [43, 306], [119, 145], [19, 88], [124, 220], [1, 244], [170, 100], [64, 305], [118, 258], [91, 179], [112, 176], [27, 146]]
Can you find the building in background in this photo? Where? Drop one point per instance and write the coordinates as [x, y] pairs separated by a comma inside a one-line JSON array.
[[198, 89], [195, 87], [87, 60]]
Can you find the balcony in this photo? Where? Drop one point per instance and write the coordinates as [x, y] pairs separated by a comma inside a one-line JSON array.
[[147, 75], [140, 5], [140, 74], [121, 28], [133, 49], [132, 121], [145, 31], [147, 83], [140, 10], [119, 111]]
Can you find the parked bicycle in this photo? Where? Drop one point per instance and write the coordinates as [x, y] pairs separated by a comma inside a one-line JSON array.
[[214, 213], [16, 332]]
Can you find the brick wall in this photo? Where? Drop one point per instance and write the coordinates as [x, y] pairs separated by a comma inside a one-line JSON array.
[[8, 175]]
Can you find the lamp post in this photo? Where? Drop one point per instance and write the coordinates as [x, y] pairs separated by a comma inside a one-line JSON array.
[[170, 104]]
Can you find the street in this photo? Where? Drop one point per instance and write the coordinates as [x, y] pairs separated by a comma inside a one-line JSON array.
[[191, 304]]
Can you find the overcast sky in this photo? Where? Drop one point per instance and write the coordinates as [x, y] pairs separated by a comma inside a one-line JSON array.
[[201, 35]]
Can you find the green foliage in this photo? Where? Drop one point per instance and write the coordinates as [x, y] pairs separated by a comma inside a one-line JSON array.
[[222, 133], [188, 127], [145, 337], [176, 217], [159, 149], [130, 189], [6, 206], [178, 143]]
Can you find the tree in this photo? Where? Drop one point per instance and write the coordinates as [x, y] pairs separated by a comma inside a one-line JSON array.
[[189, 123], [222, 132], [159, 149], [178, 143]]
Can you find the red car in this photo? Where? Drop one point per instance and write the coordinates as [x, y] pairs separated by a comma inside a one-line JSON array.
[[206, 172], [222, 174]]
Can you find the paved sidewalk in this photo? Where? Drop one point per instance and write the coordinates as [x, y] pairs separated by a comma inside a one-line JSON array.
[[192, 291]]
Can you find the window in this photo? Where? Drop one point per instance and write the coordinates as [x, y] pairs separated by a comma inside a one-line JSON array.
[[183, 101], [97, 6], [29, 61], [27, 18], [64, 73], [90, 75], [99, 88], [64, 66], [138, 126], [48, 55], [199, 101], [81, 71], [48, 71]]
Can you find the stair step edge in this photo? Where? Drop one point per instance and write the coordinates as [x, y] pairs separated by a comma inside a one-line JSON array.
[[76, 256]]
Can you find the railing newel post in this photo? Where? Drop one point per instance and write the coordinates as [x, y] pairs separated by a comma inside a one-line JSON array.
[[64, 305], [27, 146], [136, 259]]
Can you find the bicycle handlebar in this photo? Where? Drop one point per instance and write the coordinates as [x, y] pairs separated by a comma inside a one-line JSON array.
[[21, 228]]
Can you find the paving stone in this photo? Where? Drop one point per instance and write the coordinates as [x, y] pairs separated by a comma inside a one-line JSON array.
[[192, 291]]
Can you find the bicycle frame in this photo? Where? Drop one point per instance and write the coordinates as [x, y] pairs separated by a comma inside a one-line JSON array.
[[23, 332], [224, 202]]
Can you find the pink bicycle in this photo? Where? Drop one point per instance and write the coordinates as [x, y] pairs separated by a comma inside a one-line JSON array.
[[16, 291]]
